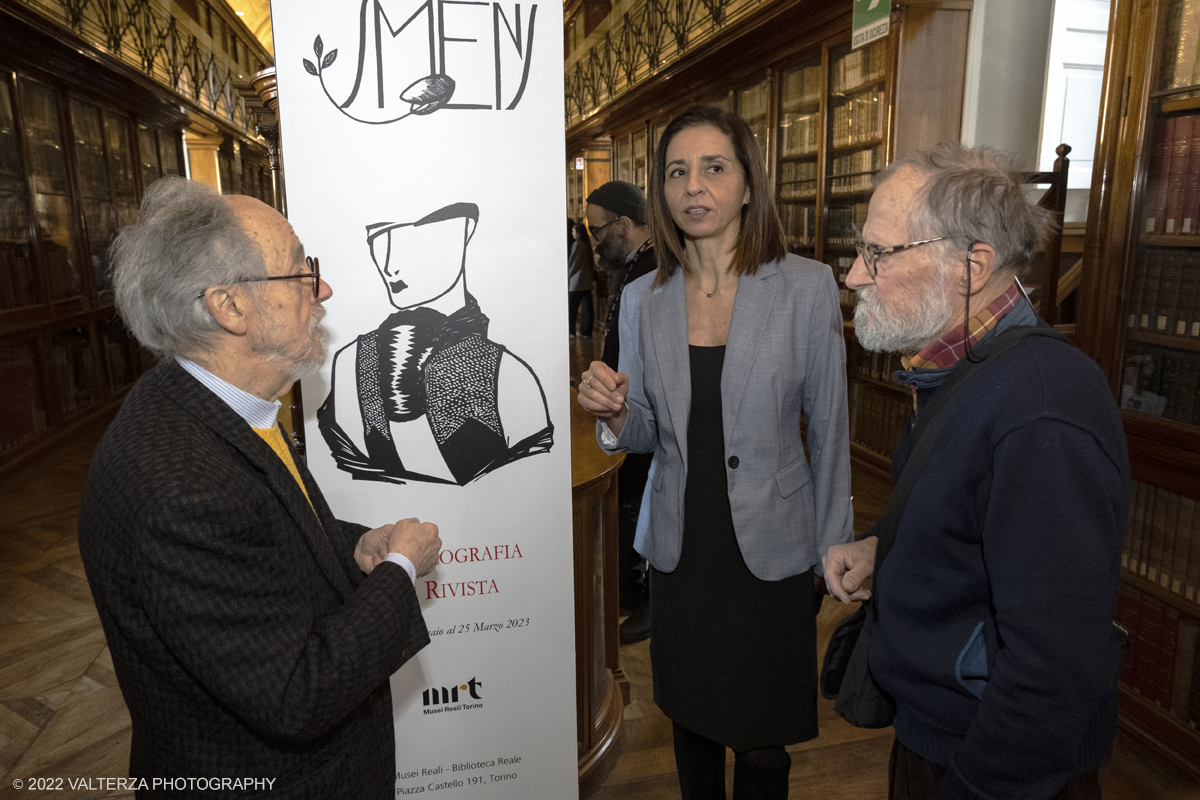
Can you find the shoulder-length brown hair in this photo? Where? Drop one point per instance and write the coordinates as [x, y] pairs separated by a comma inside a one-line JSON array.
[[761, 238]]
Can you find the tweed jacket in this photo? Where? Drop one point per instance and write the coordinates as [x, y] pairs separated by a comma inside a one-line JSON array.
[[785, 357], [245, 639]]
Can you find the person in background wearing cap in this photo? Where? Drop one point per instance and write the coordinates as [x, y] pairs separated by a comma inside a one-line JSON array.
[[616, 217]]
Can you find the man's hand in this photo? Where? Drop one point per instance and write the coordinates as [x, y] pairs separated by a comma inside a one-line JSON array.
[[415, 540], [602, 392], [847, 567], [372, 548], [418, 542]]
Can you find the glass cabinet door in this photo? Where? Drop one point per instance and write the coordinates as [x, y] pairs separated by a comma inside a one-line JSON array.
[[18, 281], [44, 142], [799, 142], [1162, 338], [621, 159], [856, 129], [639, 159], [752, 107]]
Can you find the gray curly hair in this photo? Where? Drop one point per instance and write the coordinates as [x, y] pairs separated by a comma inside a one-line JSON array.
[[973, 195], [186, 239]]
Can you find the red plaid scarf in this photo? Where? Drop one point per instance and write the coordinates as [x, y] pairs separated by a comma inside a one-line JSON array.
[[951, 348]]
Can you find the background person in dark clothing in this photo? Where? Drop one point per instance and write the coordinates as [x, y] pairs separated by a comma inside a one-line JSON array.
[[579, 282], [616, 217], [995, 603]]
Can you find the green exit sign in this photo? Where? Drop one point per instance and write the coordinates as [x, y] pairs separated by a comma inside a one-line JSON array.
[[872, 20]]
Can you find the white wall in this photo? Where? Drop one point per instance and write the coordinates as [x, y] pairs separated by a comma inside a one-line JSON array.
[[1006, 74], [1074, 78], [1034, 72]]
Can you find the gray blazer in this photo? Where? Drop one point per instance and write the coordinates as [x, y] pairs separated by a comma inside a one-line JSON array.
[[786, 356]]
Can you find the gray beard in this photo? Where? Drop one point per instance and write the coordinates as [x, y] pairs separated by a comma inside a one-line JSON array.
[[312, 359], [611, 253], [882, 331]]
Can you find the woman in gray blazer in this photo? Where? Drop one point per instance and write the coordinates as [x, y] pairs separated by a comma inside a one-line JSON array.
[[734, 340]]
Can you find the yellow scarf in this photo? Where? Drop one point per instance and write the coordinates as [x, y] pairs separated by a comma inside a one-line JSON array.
[[274, 437]]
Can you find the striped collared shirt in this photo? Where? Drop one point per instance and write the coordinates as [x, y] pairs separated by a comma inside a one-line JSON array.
[[259, 413]]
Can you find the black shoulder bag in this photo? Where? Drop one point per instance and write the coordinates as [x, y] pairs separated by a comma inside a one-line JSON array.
[[845, 675]]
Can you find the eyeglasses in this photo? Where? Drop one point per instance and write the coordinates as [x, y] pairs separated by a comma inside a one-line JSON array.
[[870, 254], [314, 266], [595, 232]]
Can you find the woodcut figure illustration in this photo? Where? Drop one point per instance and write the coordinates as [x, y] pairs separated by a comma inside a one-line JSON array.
[[427, 396], [402, 71]]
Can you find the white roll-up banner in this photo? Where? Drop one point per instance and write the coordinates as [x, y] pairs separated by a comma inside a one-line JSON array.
[[423, 147]]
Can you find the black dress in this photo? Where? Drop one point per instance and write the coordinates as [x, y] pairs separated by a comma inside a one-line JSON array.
[[734, 657]]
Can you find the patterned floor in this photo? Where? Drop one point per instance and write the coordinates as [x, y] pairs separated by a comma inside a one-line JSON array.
[[61, 712]]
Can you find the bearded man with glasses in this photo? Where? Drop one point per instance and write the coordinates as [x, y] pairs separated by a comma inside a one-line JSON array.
[[252, 632], [993, 629]]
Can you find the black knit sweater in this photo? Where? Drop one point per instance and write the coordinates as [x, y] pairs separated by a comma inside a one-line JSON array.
[[995, 604]]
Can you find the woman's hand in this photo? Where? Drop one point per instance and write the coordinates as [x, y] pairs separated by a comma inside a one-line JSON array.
[[847, 566], [602, 392]]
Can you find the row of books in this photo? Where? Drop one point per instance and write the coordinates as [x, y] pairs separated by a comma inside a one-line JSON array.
[[1165, 296], [859, 66], [1162, 543], [1181, 62], [854, 172], [841, 268], [799, 190], [798, 171], [1161, 665], [878, 417], [752, 103], [858, 120], [799, 134], [18, 285], [843, 220], [1173, 199], [798, 180], [117, 357], [1161, 382], [879, 366], [800, 86], [24, 404], [72, 365], [867, 160], [799, 223], [852, 184]]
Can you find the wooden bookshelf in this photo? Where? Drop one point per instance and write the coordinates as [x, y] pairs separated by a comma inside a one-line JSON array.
[[1170, 240], [872, 142], [1146, 720], [1164, 340], [1138, 318], [1182, 104]]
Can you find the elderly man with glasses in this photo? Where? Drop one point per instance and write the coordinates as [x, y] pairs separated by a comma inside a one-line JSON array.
[[252, 632], [993, 628]]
